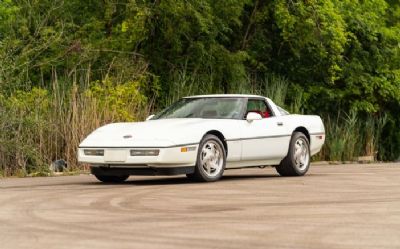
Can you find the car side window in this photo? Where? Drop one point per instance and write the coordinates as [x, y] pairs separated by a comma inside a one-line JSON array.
[[259, 106], [282, 111]]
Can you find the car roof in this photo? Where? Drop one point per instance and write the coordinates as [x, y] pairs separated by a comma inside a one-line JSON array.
[[225, 96]]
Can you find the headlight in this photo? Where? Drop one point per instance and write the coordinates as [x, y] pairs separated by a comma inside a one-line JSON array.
[[145, 152], [93, 152]]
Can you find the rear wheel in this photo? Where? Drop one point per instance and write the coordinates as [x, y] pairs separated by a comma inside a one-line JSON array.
[[211, 160], [111, 179], [297, 161]]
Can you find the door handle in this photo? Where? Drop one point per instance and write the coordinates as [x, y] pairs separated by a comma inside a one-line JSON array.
[[279, 123]]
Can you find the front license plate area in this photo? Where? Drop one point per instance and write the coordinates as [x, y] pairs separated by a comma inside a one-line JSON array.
[[114, 156]]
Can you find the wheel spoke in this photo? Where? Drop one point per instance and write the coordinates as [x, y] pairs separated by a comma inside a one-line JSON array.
[[208, 167], [298, 153], [214, 166], [206, 153]]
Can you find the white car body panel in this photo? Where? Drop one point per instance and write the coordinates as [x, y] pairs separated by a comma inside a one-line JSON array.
[[255, 143]]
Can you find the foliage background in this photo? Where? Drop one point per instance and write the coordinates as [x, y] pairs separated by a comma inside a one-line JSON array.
[[67, 67]]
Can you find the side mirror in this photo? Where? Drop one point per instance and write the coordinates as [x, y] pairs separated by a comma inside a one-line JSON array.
[[251, 116], [150, 117]]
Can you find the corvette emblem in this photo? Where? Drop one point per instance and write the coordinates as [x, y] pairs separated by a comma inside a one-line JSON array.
[[127, 136]]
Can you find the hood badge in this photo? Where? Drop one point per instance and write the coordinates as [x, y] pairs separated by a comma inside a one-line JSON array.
[[127, 136]]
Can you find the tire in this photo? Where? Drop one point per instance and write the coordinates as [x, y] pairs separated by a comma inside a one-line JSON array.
[[297, 161], [111, 179], [211, 160]]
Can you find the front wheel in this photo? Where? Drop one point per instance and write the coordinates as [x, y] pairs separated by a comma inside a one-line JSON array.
[[297, 161], [211, 160], [111, 179]]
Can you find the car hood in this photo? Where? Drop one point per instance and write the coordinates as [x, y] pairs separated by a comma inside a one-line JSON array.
[[161, 132]]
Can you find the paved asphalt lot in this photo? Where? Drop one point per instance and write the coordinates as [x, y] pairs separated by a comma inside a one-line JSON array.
[[342, 206]]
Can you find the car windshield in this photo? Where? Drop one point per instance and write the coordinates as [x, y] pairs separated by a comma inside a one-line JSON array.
[[212, 108]]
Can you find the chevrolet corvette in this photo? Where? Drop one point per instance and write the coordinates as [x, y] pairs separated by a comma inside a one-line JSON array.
[[201, 136]]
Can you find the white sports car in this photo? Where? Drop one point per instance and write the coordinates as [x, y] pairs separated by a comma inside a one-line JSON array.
[[201, 136]]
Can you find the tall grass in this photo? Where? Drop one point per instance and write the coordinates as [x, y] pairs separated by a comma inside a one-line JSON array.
[[342, 137], [349, 136], [43, 125], [185, 84], [275, 87]]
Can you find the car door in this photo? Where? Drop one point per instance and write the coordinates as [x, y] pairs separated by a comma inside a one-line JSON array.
[[264, 139]]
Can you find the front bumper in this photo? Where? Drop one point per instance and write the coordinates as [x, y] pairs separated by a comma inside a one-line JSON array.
[[168, 157], [145, 171]]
